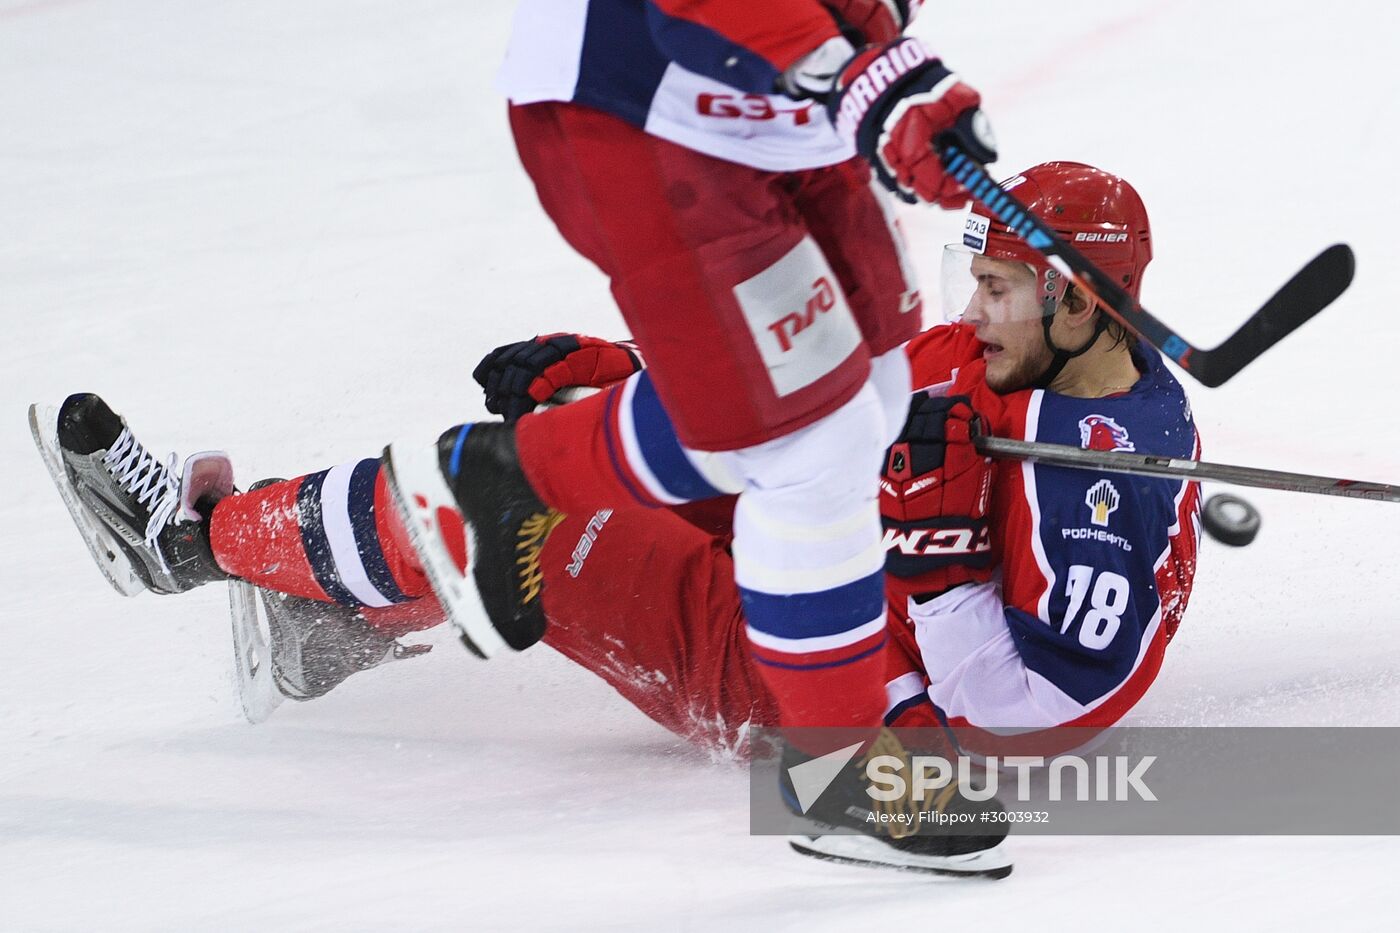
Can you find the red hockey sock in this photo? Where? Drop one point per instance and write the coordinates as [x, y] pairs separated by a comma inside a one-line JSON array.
[[331, 536], [262, 537], [848, 696]]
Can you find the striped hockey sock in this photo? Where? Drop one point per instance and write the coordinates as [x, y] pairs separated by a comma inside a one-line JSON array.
[[329, 536]]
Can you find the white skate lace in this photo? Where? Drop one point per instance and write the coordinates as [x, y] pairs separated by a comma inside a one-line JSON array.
[[152, 482]]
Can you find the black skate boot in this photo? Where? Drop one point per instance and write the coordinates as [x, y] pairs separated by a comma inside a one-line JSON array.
[[143, 522], [472, 477], [927, 835]]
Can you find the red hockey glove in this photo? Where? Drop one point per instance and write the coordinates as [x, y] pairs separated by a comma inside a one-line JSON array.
[[897, 101], [867, 21], [519, 376], [933, 499]]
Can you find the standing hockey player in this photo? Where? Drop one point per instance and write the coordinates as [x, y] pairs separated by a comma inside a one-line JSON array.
[[764, 282], [1022, 596], [675, 144]]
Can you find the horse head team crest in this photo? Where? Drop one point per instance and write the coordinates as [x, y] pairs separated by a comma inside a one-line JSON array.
[[1100, 432]]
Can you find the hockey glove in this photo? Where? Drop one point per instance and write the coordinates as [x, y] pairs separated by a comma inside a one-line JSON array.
[[933, 499], [897, 102], [519, 376], [866, 21]]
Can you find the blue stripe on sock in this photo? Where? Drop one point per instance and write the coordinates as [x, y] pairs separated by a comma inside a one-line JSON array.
[[662, 449], [315, 542], [811, 615], [362, 521], [824, 664]]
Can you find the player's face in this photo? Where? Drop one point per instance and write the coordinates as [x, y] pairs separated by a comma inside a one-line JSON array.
[[1006, 313]]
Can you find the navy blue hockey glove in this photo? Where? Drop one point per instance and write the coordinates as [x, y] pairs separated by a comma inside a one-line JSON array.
[[519, 376]]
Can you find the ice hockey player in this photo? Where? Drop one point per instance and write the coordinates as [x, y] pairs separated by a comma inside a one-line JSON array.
[[714, 159], [1022, 596]]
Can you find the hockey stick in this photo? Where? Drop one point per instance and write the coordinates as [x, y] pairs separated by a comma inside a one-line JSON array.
[[1314, 287], [1136, 464], [1149, 465]]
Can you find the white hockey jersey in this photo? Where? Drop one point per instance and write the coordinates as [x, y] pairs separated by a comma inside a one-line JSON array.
[[668, 75]]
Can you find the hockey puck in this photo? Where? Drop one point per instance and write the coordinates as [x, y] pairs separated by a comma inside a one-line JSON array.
[[1230, 520]]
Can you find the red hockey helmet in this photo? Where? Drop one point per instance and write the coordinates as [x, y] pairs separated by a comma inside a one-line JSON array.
[[1099, 214]]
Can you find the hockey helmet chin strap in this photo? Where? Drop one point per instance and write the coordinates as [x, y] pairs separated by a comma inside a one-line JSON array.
[[1061, 356]]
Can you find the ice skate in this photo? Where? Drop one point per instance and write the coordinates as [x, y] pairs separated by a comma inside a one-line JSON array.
[[142, 520], [472, 477], [915, 840], [290, 647]]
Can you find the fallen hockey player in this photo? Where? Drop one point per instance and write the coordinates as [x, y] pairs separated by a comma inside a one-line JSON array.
[[1022, 596]]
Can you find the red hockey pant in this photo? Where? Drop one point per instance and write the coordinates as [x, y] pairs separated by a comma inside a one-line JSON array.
[[693, 245]]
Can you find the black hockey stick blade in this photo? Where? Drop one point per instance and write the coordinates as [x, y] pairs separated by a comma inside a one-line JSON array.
[[1313, 288], [1304, 295], [1177, 468]]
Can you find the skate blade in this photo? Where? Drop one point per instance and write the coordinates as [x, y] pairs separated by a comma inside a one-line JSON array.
[[258, 693], [988, 864], [419, 493], [106, 552]]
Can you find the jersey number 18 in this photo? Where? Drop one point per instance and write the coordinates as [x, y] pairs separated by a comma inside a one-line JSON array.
[[1107, 601]]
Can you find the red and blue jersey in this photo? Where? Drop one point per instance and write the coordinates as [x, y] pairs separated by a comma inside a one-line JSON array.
[[700, 73], [1095, 567]]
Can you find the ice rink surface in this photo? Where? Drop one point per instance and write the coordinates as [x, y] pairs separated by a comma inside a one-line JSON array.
[[290, 229]]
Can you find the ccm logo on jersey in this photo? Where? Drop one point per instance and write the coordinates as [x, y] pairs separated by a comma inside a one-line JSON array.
[[937, 542], [822, 300], [749, 107], [1100, 432]]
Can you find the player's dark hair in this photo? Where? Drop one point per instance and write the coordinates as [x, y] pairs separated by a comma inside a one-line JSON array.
[[1120, 334]]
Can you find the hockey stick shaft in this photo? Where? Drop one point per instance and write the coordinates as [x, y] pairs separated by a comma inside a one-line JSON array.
[[1149, 465], [1313, 288]]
